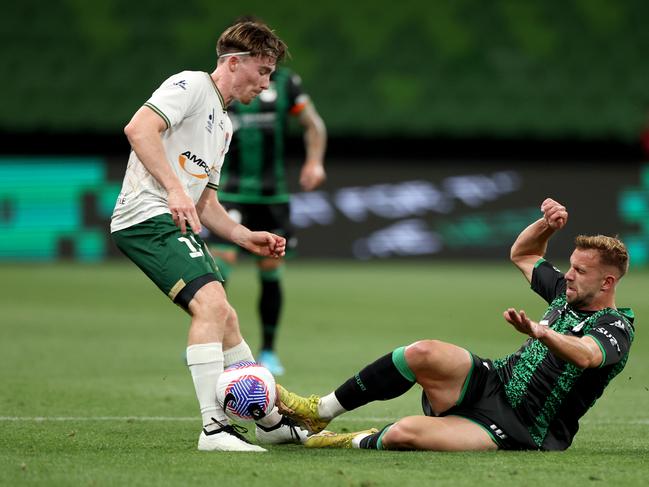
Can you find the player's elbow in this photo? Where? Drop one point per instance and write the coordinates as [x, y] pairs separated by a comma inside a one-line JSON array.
[[320, 126], [581, 362], [589, 355], [524, 263], [139, 129], [587, 359], [132, 132], [515, 255]]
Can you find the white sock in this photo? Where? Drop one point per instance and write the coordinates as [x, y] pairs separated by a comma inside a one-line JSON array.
[[329, 407], [205, 363], [271, 419], [238, 353]]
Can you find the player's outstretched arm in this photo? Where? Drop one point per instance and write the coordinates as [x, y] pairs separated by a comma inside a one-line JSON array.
[[532, 242], [582, 352], [214, 217], [313, 174], [261, 243]]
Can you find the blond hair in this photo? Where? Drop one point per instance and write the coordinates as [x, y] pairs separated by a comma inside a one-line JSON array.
[[252, 37], [612, 250]]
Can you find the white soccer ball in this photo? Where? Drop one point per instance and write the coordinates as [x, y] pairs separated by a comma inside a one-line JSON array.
[[246, 391]]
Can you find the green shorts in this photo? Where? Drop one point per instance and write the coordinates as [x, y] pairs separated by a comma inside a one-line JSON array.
[[179, 264]]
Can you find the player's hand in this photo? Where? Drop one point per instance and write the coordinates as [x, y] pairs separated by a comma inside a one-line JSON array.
[[520, 321], [312, 175], [554, 213], [183, 211], [261, 243]]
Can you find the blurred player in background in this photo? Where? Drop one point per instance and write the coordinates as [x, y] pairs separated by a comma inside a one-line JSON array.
[[644, 139], [530, 400], [178, 140], [254, 188]]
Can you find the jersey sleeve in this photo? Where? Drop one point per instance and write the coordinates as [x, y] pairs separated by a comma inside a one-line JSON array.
[[613, 336], [297, 98], [177, 98], [547, 281]]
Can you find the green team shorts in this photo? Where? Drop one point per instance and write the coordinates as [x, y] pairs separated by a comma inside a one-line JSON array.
[[179, 264]]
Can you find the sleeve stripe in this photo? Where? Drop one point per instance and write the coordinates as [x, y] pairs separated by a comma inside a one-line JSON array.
[[159, 112], [600, 347], [215, 187], [539, 262]]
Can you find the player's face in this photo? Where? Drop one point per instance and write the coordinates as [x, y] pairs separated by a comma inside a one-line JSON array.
[[584, 279], [252, 77]]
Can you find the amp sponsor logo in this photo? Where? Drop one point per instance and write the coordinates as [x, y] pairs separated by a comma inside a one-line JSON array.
[[194, 165]]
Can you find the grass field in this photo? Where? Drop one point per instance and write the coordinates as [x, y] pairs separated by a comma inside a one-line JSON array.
[[94, 391]]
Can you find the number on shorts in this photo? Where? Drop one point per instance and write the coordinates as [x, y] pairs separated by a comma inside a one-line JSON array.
[[194, 249]]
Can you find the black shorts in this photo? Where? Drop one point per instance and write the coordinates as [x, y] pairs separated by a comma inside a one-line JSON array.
[[274, 218], [485, 403]]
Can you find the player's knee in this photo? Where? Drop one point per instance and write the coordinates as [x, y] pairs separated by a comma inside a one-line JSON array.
[[421, 353], [231, 322], [210, 305], [402, 435]]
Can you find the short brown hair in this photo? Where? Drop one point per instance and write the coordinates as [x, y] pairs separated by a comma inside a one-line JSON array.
[[612, 250], [253, 37]]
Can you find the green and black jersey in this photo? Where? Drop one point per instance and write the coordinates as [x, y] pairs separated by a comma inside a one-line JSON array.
[[254, 168], [549, 394]]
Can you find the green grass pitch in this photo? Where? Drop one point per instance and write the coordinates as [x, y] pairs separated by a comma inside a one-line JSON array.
[[93, 389]]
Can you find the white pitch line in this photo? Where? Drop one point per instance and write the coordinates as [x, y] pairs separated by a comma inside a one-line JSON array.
[[197, 419]]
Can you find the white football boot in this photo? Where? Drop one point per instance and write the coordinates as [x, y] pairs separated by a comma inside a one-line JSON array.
[[285, 431], [225, 437]]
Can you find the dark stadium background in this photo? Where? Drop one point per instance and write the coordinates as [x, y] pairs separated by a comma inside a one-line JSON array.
[[449, 121]]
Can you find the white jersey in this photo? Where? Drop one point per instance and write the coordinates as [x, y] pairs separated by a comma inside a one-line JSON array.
[[197, 137]]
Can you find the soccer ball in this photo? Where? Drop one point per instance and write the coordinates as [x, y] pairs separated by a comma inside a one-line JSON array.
[[246, 391]]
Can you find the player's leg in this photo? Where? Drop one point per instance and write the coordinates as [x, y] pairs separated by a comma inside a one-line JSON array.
[[205, 357], [209, 339], [270, 308], [385, 378], [179, 265], [273, 428], [208, 310], [441, 368], [450, 433], [276, 219]]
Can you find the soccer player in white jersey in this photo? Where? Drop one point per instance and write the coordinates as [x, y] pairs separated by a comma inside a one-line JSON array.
[[178, 140]]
